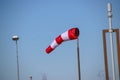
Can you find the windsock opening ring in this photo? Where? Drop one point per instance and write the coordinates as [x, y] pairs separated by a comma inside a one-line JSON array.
[[77, 32]]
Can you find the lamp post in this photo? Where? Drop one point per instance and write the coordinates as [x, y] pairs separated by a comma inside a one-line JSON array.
[[16, 38]]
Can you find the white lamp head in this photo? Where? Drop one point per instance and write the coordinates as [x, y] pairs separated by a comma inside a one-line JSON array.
[[15, 37]]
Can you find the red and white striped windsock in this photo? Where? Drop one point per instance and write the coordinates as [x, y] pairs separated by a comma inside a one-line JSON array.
[[71, 34]]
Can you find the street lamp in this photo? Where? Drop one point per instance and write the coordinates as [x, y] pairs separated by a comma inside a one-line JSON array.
[[15, 38]]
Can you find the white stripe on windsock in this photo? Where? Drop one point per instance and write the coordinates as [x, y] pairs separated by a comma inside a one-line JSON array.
[[65, 36], [54, 44]]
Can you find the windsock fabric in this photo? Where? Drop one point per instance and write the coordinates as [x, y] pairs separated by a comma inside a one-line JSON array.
[[71, 34]]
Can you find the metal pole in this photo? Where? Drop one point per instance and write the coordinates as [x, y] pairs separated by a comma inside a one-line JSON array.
[[118, 50], [111, 38], [105, 54], [15, 38], [119, 56], [79, 75], [17, 59]]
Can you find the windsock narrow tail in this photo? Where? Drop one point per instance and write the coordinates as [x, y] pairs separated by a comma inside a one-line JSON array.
[[71, 34]]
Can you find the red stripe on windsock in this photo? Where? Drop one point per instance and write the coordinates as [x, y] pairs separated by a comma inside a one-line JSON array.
[[73, 33], [59, 39], [49, 49]]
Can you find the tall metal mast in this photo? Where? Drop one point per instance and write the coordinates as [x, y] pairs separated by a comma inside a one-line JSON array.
[[111, 38]]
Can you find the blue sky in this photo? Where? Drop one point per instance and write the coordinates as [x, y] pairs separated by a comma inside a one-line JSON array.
[[38, 22]]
